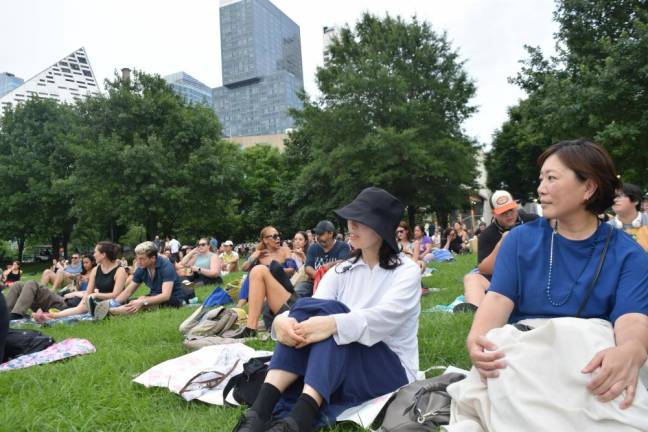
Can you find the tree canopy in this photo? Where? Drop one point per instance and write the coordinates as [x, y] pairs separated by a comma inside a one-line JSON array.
[[595, 87]]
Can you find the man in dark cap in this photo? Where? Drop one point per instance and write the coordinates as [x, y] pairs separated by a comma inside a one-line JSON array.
[[326, 252]]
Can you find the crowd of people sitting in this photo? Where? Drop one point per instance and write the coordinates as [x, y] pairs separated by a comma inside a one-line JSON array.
[[345, 310]]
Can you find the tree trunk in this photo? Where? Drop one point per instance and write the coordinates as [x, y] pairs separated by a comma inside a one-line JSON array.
[[56, 244], [411, 217], [21, 247]]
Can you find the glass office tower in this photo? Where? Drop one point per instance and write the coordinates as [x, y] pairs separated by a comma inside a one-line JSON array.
[[262, 68], [192, 91]]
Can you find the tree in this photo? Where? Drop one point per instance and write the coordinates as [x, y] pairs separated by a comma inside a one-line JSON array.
[[35, 160], [394, 96], [144, 157], [596, 87]]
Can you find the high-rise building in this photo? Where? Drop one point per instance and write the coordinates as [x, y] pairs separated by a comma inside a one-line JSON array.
[[262, 68], [67, 80], [191, 90], [8, 82], [329, 33]]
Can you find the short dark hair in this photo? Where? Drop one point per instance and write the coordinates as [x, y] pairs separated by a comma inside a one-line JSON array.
[[633, 192], [588, 161], [111, 250]]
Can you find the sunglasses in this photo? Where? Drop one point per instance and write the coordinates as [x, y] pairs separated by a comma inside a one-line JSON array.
[[273, 236], [202, 244]]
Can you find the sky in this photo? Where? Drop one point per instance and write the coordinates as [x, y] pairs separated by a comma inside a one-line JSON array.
[[167, 36]]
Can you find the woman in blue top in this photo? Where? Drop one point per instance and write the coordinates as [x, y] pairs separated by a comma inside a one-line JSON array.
[[545, 268]]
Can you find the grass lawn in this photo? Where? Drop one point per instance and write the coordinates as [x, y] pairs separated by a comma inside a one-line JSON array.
[[95, 392]]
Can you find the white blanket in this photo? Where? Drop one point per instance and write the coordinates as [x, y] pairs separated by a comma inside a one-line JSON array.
[[175, 373], [542, 388]]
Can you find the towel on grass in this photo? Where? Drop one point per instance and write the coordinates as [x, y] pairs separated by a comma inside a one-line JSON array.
[[58, 351]]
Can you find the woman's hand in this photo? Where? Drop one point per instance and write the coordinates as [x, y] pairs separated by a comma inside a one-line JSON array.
[[316, 329], [284, 327], [616, 369], [485, 357]]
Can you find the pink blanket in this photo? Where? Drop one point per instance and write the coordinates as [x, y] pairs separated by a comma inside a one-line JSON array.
[[59, 351]]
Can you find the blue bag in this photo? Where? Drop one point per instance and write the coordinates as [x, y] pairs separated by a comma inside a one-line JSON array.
[[217, 297]]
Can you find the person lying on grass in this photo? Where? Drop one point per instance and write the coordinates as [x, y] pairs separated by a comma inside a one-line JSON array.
[[106, 282], [355, 339], [545, 268], [159, 275]]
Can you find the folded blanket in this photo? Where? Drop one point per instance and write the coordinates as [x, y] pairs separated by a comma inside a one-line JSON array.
[[543, 388], [58, 351], [176, 373]]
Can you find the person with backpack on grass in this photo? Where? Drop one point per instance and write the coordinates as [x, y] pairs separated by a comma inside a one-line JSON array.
[[355, 339]]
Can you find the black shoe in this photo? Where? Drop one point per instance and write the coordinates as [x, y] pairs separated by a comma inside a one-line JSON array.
[[465, 307], [91, 303], [286, 424], [241, 333], [250, 422]]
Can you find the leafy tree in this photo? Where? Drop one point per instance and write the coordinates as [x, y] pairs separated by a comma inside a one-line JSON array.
[[145, 157], [394, 96], [35, 160], [596, 86]]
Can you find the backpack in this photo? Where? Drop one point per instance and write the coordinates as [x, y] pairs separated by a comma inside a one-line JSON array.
[[207, 321], [419, 406], [21, 342], [217, 297], [247, 384]]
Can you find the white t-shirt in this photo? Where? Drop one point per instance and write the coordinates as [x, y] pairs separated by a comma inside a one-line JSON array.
[[384, 304]]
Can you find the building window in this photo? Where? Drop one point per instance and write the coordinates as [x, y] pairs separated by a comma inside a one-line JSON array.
[[87, 73]]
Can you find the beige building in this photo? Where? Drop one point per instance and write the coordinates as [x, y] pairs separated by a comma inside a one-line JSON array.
[[275, 140]]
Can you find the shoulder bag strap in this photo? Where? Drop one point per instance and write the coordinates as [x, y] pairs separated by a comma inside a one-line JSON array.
[[596, 275]]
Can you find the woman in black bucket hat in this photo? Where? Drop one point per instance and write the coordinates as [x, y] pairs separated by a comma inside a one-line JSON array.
[[355, 339]]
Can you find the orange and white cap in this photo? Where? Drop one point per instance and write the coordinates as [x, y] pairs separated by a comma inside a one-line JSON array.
[[502, 201]]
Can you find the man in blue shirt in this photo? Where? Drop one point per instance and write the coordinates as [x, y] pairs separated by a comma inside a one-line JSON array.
[[157, 272], [325, 253], [62, 272]]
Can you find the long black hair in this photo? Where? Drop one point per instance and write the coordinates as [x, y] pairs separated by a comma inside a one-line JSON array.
[[387, 258]]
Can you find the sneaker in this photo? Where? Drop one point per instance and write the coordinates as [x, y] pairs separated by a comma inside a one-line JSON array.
[[90, 304], [101, 310], [286, 424], [464, 307], [250, 422], [240, 333]]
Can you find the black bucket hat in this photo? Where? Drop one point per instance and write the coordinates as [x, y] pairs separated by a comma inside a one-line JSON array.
[[379, 210]]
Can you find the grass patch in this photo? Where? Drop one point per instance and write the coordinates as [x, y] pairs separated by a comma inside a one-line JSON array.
[[95, 392]]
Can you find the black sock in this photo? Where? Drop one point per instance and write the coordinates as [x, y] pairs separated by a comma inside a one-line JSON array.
[[15, 316], [304, 412], [266, 400]]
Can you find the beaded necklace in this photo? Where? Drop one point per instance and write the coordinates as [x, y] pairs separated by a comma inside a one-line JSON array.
[[551, 255]]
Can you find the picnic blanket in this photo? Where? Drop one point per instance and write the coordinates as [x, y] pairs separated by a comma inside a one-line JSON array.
[[542, 388], [58, 351], [176, 373], [72, 319]]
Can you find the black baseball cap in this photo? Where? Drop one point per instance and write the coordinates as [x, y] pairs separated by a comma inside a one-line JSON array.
[[324, 226]]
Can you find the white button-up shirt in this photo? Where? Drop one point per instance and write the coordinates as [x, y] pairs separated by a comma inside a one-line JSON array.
[[384, 304]]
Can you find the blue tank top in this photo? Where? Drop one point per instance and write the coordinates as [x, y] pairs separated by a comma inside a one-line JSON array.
[[203, 261]]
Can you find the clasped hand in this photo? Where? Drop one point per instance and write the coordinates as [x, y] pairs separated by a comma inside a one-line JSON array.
[[299, 334]]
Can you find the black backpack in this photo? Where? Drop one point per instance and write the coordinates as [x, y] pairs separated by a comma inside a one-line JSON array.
[[247, 384], [21, 342]]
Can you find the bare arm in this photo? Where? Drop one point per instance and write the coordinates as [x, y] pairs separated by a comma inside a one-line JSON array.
[[214, 269], [487, 265], [493, 312]]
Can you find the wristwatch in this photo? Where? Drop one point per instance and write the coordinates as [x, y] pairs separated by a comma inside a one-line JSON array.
[[146, 303]]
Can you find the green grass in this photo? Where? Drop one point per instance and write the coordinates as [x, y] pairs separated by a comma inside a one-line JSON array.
[[96, 393]]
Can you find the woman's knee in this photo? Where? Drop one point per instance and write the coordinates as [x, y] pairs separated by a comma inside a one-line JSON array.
[[259, 271]]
